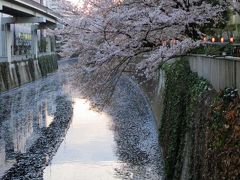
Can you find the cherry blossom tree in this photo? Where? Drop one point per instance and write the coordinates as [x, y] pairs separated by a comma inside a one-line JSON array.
[[115, 36]]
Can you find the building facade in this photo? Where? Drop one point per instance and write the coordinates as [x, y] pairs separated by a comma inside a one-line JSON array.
[[27, 48], [24, 25]]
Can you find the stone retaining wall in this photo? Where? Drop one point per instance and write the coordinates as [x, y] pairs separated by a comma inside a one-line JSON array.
[[17, 73]]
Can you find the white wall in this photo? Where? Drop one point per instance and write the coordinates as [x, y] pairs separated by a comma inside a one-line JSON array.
[[220, 72]]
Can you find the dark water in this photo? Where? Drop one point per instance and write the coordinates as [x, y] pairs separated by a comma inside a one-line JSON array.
[[119, 143]]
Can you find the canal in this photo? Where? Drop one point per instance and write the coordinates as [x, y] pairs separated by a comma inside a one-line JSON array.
[[36, 142]]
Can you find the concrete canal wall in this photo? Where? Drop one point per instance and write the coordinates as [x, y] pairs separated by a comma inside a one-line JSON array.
[[17, 73], [182, 102], [220, 72]]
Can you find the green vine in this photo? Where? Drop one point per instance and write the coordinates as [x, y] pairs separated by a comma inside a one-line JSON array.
[[199, 125], [224, 136], [181, 96], [47, 64]]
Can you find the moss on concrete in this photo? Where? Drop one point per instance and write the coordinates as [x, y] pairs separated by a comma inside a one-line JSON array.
[[5, 73], [47, 64]]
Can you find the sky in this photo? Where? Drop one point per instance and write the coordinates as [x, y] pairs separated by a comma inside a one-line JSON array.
[[75, 1], [79, 2]]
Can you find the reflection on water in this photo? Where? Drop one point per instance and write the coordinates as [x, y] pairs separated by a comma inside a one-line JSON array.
[[88, 150], [119, 143], [23, 113]]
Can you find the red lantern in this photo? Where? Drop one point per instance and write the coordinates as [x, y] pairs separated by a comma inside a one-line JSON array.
[[213, 39], [231, 39], [222, 39]]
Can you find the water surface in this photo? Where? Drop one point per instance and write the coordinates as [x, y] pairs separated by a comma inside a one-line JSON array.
[[119, 143], [24, 112], [88, 150]]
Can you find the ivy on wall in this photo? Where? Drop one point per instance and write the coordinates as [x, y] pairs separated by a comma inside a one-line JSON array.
[[181, 95], [223, 131], [47, 64], [200, 129]]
